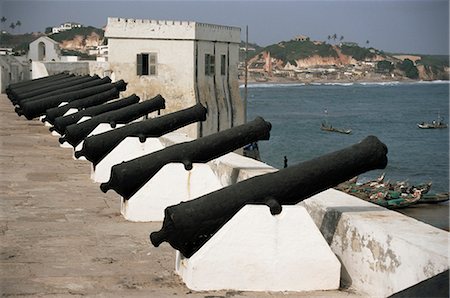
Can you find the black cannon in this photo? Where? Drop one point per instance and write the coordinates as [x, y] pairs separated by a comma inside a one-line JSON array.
[[14, 93], [76, 133], [48, 90], [93, 100], [96, 147], [128, 177], [36, 82], [60, 123], [81, 84], [188, 225], [37, 108]]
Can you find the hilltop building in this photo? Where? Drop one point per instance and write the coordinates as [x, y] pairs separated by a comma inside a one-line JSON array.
[[301, 38], [185, 62], [66, 26]]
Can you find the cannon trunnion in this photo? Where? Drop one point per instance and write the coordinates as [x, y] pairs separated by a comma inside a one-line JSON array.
[[96, 147], [188, 225], [61, 122], [76, 133], [128, 177]]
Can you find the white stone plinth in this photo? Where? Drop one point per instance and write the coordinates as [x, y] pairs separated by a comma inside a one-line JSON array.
[[171, 185], [256, 251], [126, 150], [382, 251]]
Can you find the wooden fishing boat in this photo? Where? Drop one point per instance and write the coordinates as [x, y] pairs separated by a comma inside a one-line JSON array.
[[439, 123], [434, 198], [389, 195], [328, 127]]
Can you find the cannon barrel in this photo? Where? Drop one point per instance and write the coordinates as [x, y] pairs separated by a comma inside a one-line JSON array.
[[47, 90], [76, 133], [15, 92], [60, 123], [96, 147], [128, 177], [188, 225], [37, 108], [35, 82], [96, 99], [82, 83]]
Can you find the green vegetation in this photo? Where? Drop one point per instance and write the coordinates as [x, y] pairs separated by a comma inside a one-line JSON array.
[[250, 53], [434, 61], [290, 51], [356, 52], [408, 67], [70, 34], [19, 42], [385, 66]]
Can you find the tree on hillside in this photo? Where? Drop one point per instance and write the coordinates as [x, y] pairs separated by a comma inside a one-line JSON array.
[[3, 20], [342, 38], [18, 24], [385, 66], [329, 37], [12, 26], [334, 37], [409, 68], [367, 42]]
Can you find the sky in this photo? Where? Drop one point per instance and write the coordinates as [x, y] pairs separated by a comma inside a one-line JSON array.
[[397, 26]]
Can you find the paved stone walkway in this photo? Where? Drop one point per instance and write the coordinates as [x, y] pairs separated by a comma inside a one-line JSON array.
[[61, 236]]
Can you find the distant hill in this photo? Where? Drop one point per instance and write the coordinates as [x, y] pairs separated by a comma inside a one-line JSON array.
[[84, 32], [307, 54], [19, 42], [76, 41]]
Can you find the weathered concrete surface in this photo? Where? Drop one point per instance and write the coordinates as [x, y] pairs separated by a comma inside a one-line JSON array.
[[382, 251], [60, 236]]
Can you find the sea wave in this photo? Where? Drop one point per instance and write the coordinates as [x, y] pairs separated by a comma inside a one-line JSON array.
[[272, 85], [390, 83], [333, 84], [433, 82], [345, 84]]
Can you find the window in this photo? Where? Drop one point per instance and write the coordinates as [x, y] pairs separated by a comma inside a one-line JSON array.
[[146, 64], [223, 64], [210, 65]]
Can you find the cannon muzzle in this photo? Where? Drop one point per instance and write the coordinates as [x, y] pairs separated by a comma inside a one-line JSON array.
[[188, 225], [128, 177], [96, 147]]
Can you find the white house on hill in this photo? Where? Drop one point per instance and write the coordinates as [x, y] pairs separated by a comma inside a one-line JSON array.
[[185, 62]]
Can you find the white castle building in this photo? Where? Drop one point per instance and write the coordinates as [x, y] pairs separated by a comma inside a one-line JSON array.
[[185, 62]]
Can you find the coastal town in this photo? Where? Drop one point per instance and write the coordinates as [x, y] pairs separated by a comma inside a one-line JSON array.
[[319, 61], [297, 60]]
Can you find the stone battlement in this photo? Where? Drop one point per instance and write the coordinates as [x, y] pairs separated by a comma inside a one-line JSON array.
[[170, 30]]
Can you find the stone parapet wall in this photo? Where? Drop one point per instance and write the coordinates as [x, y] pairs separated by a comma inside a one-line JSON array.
[[174, 30]]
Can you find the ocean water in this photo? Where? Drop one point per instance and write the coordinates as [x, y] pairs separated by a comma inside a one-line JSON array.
[[389, 111]]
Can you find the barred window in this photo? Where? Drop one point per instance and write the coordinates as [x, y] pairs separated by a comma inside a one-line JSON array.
[[210, 66], [146, 64], [223, 65]]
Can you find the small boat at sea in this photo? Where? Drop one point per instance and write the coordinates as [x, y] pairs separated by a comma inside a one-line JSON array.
[[439, 123], [328, 127]]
